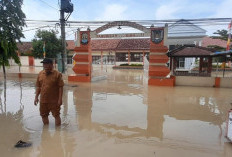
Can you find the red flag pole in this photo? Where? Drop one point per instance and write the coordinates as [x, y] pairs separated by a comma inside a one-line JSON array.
[[228, 41]]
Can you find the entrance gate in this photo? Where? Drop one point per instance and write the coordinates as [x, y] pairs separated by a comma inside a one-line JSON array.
[[158, 58]]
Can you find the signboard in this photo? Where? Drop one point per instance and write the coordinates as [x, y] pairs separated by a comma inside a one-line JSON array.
[[121, 35], [157, 36], [229, 131], [121, 23], [84, 38]]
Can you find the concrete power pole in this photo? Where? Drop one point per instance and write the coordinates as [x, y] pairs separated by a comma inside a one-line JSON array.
[[66, 7], [63, 54]]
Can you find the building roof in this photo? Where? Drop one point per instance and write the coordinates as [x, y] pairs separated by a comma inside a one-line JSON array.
[[70, 44], [207, 41], [104, 44], [116, 44], [24, 47], [134, 44], [121, 44], [190, 51], [184, 28]]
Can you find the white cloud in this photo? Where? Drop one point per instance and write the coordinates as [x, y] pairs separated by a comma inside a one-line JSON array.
[[113, 12], [106, 10], [166, 12], [35, 10], [224, 9]]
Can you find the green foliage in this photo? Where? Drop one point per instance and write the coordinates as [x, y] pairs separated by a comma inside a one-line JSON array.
[[126, 64], [11, 26], [221, 34], [53, 45], [216, 47], [136, 65], [219, 66], [26, 54]]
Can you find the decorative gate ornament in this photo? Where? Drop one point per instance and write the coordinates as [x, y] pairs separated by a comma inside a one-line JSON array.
[[157, 36], [84, 38]]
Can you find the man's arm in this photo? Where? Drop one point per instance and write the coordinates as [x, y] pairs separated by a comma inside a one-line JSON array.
[[37, 96], [60, 95]]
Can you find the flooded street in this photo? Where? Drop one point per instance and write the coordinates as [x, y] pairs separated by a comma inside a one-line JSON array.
[[120, 116]]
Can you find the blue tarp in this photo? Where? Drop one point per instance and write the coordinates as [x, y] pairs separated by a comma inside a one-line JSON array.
[[222, 52]]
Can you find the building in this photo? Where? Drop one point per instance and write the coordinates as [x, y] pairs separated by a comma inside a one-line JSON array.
[[131, 48]]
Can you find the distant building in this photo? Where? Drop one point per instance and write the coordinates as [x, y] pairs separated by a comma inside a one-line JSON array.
[[207, 41], [24, 47], [132, 49]]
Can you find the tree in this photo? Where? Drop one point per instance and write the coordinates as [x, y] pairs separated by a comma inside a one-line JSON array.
[[221, 34], [46, 40], [12, 21]]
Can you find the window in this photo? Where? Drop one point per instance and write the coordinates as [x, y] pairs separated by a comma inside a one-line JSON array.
[[121, 57], [136, 57], [96, 59], [180, 63]]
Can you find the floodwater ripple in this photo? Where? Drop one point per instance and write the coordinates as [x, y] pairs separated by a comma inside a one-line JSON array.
[[121, 116]]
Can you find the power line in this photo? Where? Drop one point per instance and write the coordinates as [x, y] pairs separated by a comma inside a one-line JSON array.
[[36, 28], [206, 23], [147, 23], [49, 5]]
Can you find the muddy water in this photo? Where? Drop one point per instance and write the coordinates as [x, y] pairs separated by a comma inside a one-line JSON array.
[[121, 116]]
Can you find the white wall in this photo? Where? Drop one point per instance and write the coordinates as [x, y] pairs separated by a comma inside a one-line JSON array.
[[37, 62], [24, 61], [195, 81], [226, 82]]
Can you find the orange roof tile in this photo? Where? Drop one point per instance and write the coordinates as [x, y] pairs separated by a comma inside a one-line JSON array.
[[70, 44], [134, 44], [116, 44], [190, 51], [210, 41], [104, 44], [24, 47]]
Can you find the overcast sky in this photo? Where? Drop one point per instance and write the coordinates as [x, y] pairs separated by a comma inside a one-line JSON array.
[[104, 10]]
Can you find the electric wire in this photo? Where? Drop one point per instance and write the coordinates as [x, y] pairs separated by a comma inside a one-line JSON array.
[[208, 24], [48, 5]]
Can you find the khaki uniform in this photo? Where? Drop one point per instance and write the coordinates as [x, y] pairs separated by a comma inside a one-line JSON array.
[[49, 93]]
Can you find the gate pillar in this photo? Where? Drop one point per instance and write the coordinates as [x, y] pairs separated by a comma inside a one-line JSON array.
[[158, 70], [82, 58]]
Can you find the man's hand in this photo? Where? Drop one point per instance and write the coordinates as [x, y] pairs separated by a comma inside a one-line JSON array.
[[36, 101], [60, 102]]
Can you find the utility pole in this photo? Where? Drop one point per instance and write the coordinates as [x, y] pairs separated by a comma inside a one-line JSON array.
[[63, 53], [65, 7]]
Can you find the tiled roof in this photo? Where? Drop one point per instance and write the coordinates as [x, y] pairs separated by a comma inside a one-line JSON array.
[[24, 47], [116, 44], [70, 44], [134, 44], [122, 44], [210, 41], [104, 44], [190, 51]]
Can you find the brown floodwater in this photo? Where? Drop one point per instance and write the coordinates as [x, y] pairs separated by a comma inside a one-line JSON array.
[[120, 116]]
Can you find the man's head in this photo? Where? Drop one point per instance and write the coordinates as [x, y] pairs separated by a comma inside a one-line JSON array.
[[47, 65]]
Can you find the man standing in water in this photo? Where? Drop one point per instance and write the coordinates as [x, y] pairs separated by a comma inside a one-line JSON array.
[[49, 86]]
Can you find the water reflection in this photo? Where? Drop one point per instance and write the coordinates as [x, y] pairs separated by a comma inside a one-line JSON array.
[[183, 115], [11, 129], [51, 139], [119, 114], [121, 111]]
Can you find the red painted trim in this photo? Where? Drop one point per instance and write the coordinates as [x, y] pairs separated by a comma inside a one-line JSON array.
[[217, 82]]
